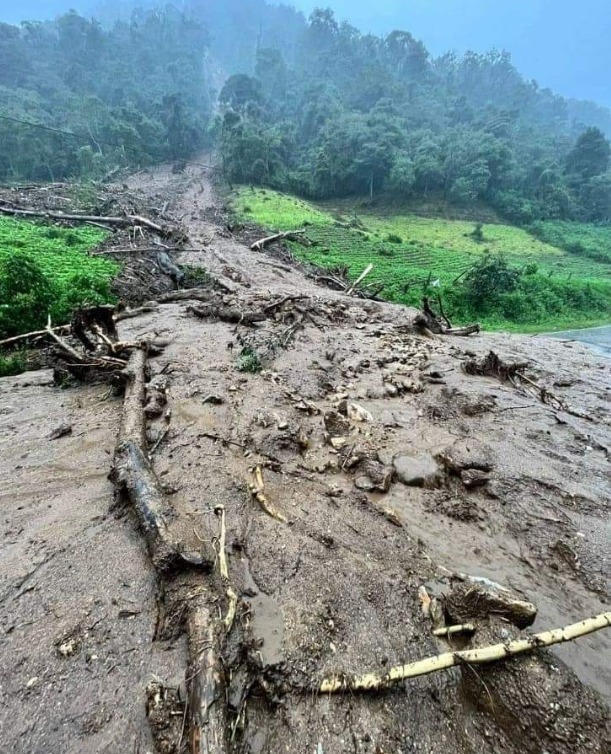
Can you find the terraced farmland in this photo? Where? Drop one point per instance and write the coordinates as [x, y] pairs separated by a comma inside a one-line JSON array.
[[409, 251], [406, 247]]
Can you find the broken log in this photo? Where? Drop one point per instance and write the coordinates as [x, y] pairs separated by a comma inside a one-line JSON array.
[[133, 474], [225, 314], [206, 709], [9, 342], [479, 656], [263, 242], [190, 294], [463, 331], [359, 280], [121, 222]]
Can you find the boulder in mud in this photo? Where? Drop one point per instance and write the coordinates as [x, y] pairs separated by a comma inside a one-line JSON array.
[[467, 453], [417, 471]]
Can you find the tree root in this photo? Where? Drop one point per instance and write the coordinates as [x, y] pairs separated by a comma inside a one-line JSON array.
[[429, 324], [257, 490]]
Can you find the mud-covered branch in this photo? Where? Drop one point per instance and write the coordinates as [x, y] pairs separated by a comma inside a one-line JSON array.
[[479, 656]]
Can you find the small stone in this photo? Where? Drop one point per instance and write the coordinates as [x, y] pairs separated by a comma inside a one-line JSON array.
[[417, 471], [32, 682], [63, 430], [364, 483], [388, 419], [474, 478]]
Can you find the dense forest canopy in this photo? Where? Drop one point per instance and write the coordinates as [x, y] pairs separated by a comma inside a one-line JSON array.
[[315, 107]]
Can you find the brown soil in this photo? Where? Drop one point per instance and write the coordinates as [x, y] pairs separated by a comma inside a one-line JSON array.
[[86, 626]]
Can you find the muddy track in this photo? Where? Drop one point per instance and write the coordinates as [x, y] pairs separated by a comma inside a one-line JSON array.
[[331, 584]]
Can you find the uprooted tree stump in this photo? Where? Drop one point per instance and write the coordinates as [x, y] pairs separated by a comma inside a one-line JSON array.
[[429, 324], [493, 366]]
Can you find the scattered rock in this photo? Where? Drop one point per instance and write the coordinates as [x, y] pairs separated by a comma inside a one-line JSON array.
[[63, 430], [214, 400], [355, 412], [417, 471], [374, 475], [467, 454]]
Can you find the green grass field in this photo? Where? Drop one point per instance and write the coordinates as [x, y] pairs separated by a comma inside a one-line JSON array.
[[61, 252], [68, 276], [408, 250], [581, 239]]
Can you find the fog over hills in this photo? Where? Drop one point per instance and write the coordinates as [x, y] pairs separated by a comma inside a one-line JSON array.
[[560, 43]]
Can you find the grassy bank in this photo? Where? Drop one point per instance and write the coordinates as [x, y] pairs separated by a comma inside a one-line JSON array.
[[45, 269], [553, 288]]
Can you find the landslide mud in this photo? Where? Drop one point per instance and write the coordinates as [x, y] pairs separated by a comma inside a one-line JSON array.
[[335, 587]]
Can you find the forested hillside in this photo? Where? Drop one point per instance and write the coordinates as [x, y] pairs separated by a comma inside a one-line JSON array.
[[356, 114], [136, 93], [315, 108]]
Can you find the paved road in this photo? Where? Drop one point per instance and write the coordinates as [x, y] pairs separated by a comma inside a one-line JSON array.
[[597, 337]]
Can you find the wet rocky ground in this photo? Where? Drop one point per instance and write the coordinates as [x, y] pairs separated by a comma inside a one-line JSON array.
[[388, 467]]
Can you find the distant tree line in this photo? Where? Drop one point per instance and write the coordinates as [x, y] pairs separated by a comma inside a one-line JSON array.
[[352, 114], [134, 94], [313, 107]]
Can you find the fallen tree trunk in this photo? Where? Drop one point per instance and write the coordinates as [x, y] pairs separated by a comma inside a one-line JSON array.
[[122, 222], [133, 475], [7, 342], [482, 655], [263, 242], [207, 708], [225, 314], [190, 294], [463, 331]]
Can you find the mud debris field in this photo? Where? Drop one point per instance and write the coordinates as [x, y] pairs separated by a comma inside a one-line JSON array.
[[337, 487]]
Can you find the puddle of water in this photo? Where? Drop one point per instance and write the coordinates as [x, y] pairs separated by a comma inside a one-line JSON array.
[[266, 620]]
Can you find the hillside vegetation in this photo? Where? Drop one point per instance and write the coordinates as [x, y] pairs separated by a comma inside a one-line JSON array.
[[45, 269], [502, 275]]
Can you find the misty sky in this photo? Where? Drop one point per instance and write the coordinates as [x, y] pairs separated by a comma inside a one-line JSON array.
[[563, 44]]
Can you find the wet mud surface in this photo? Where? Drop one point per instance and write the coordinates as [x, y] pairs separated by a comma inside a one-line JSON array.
[[388, 466]]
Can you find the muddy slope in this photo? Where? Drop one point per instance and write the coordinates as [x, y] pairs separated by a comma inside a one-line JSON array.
[[446, 473]]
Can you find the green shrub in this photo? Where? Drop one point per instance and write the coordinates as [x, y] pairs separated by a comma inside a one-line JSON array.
[[46, 270], [394, 238], [80, 289], [12, 365], [26, 295], [249, 361]]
